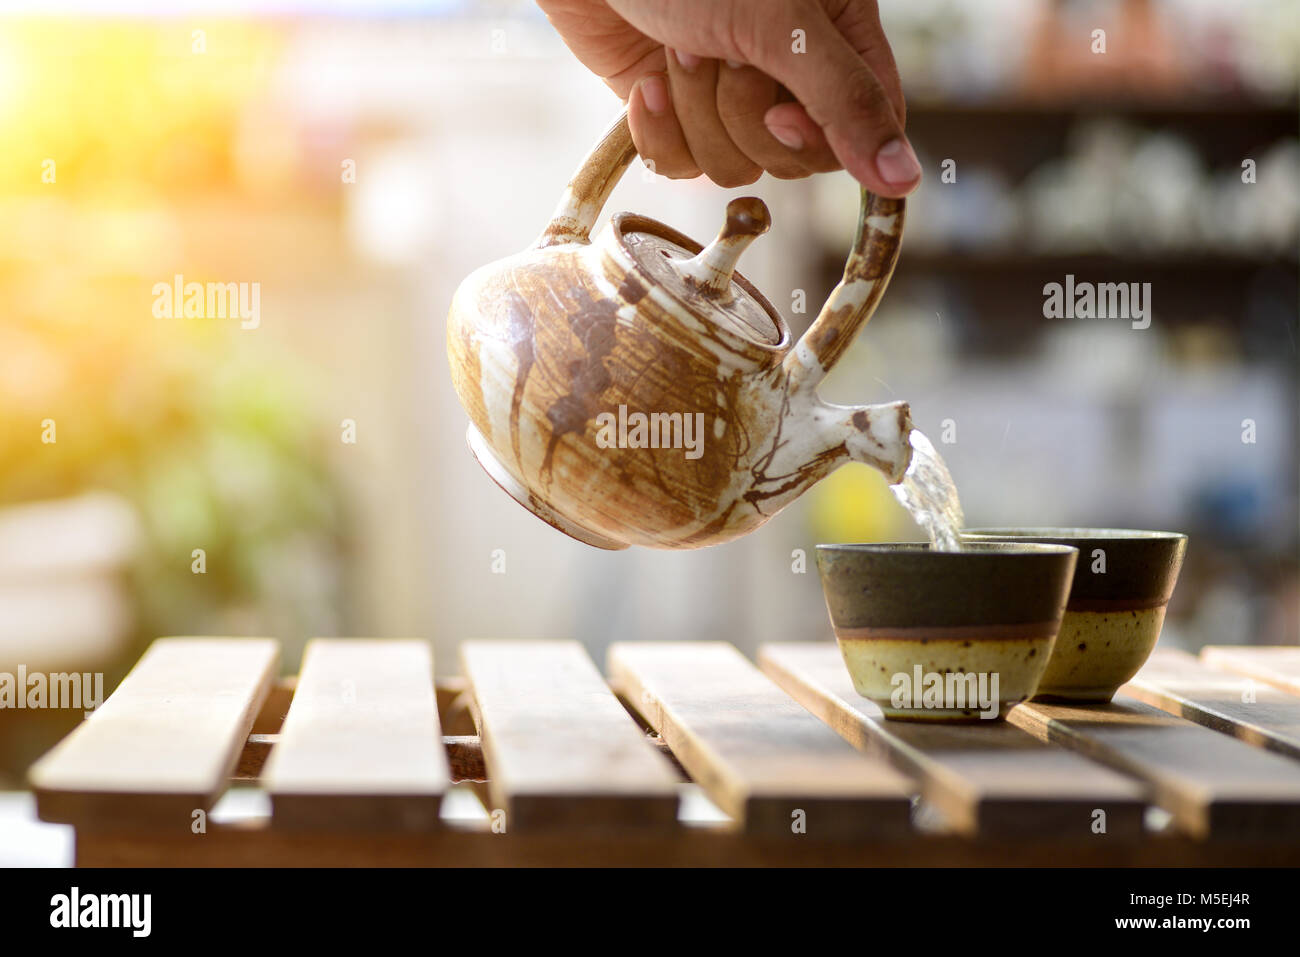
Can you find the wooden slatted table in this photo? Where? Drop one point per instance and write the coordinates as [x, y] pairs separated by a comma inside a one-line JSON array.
[[688, 755]]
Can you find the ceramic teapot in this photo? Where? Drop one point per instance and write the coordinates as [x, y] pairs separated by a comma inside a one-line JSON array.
[[637, 390]]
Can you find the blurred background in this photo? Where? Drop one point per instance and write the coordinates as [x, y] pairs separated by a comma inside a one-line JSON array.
[[310, 477]]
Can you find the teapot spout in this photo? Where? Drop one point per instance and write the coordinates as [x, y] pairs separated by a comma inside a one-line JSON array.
[[878, 435]]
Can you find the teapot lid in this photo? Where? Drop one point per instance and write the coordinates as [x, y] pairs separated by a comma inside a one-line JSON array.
[[704, 279]]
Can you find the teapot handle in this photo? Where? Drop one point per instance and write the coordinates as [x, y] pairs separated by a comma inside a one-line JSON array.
[[866, 273], [851, 303], [590, 187]]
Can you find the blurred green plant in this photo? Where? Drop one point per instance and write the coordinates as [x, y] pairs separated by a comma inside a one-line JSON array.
[[123, 135], [214, 442]]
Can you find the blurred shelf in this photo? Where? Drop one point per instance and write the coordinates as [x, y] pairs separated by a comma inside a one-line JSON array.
[[1197, 265], [1191, 107], [1016, 136], [1003, 292]]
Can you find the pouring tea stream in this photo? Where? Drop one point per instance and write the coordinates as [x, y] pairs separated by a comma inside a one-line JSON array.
[[643, 323]]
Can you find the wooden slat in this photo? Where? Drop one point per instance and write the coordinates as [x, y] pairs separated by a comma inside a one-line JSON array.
[[1177, 682], [1277, 666], [760, 755], [464, 755], [275, 707], [165, 742], [253, 757], [1210, 783], [560, 750], [361, 746], [987, 778]]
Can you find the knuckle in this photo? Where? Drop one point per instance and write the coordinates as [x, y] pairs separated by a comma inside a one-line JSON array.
[[787, 171], [734, 177], [737, 118], [863, 96], [661, 158], [668, 166], [767, 43], [673, 168], [744, 29], [744, 124]]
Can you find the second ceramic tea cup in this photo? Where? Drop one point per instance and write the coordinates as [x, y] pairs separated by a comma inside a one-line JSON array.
[[1122, 583]]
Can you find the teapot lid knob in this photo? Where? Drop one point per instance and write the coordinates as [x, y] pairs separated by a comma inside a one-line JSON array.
[[710, 271]]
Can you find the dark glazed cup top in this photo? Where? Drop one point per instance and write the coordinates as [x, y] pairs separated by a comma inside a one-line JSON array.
[[1140, 567], [910, 585]]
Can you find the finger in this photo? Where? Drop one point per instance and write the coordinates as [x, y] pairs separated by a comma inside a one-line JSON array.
[[694, 82], [832, 80], [850, 104], [860, 25], [655, 130], [790, 124], [744, 96], [677, 23]]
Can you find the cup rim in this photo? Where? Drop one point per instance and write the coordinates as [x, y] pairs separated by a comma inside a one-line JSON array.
[[1031, 533], [925, 548]]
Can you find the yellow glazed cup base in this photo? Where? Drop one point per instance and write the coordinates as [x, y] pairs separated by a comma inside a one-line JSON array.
[[874, 663], [1097, 651]]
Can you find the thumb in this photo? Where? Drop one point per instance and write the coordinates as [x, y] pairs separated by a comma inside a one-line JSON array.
[[848, 101]]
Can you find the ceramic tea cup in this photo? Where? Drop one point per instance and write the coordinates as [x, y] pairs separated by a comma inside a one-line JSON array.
[[945, 636], [1122, 583]]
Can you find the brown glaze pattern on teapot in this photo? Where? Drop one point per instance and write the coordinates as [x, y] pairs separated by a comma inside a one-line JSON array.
[[556, 350]]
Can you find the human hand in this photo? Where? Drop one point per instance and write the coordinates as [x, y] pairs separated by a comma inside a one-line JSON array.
[[720, 86]]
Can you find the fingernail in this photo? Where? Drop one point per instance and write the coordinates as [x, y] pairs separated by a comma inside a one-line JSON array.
[[734, 65], [896, 162], [654, 93], [688, 61], [787, 136]]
